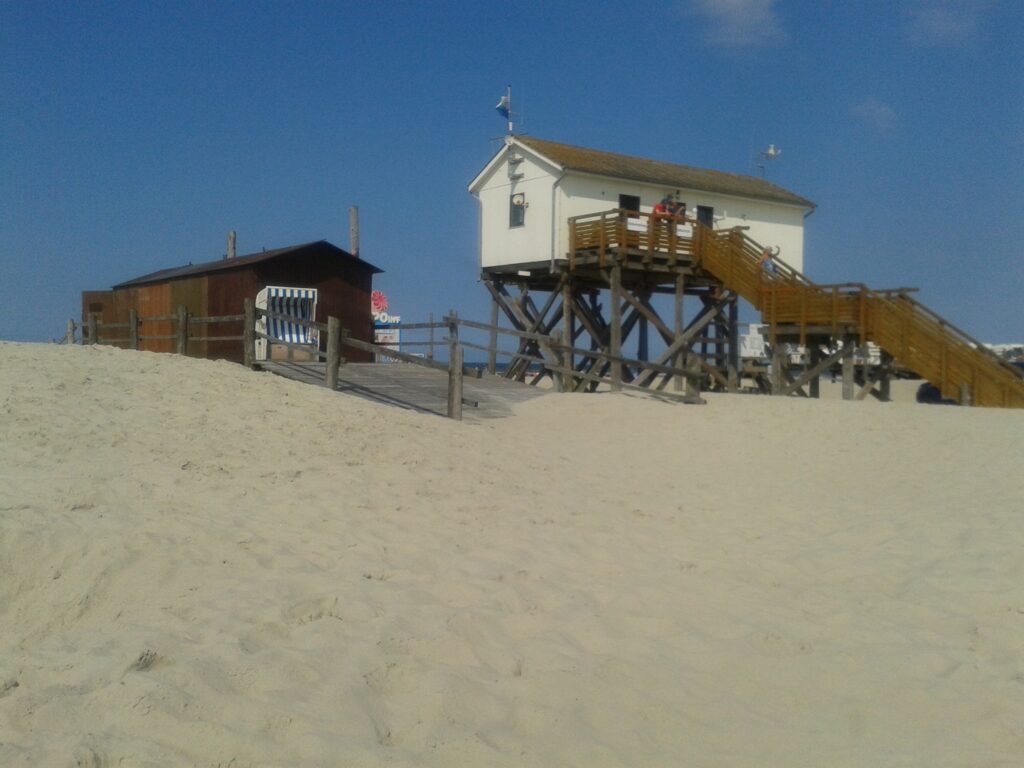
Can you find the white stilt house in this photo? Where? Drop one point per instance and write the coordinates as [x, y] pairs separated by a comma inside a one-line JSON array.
[[531, 188]]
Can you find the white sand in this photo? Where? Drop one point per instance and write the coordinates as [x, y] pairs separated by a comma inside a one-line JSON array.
[[204, 566]]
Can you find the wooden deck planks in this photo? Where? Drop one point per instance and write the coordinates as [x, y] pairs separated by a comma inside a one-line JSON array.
[[413, 387]]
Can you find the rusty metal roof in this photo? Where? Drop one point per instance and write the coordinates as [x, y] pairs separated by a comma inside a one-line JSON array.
[[657, 172], [318, 247]]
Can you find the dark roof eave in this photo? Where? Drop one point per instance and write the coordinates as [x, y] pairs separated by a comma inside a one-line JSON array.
[[226, 265]]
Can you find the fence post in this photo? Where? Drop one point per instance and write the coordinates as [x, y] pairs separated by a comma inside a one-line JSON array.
[[69, 337], [454, 368], [249, 334], [182, 330], [333, 352], [133, 329], [93, 337], [430, 347]]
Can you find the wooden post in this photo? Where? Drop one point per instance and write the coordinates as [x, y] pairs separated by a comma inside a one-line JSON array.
[[133, 329], [616, 326], [430, 347], [93, 329], [814, 385], [492, 347], [884, 388], [733, 366], [776, 374], [182, 330], [965, 393], [559, 378], [680, 361], [642, 347], [848, 349], [249, 333], [69, 337], [454, 368], [569, 335], [333, 352]]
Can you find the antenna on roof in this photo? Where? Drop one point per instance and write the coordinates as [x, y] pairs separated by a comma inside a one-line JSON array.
[[769, 154], [504, 107]]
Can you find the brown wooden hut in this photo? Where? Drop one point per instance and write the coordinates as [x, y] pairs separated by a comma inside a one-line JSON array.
[[218, 288]]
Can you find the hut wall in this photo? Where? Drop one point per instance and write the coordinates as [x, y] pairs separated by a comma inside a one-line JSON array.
[[343, 291]]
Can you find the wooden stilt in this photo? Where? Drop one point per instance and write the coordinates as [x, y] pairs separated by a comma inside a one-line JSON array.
[[615, 347], [849, 345], [492, 355], [814, 357], [680, 357], [568, 334], [733, 329]]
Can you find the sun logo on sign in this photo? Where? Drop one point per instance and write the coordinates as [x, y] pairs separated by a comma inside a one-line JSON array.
[[378, 301]]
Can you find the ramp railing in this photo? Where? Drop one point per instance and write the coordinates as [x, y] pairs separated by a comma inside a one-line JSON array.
[[960, 366]]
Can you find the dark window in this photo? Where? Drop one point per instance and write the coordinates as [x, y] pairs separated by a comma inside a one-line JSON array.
[[517, 210], [629, 202], [706, 215]]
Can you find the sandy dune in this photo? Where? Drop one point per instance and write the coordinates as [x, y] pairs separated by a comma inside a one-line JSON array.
[[204, 566]]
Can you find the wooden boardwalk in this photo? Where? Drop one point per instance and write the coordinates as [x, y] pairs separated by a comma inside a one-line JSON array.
[[413, 387]]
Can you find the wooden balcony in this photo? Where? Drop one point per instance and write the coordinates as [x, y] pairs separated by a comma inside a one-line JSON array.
[[634, 239]]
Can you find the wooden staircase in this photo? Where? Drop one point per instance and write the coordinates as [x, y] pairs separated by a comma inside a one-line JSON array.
[[796, 309]]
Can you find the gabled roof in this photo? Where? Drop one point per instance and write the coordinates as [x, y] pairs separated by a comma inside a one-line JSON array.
[[318, 247], [593, 161]]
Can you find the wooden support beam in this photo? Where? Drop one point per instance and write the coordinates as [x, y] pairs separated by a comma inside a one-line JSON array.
[[847, 355], [569, 334], [810, 374], [814, 381], [733, 331], [699, 323], [680, 357], [965, 393], [615, 323], [777, 380], [492, 354], [93, 328], [884, 389]]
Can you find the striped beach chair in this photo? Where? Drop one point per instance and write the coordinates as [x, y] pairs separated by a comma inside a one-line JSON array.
[[297, 303]]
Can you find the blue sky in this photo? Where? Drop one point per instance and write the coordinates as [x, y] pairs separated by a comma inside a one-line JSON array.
[[134, 136]]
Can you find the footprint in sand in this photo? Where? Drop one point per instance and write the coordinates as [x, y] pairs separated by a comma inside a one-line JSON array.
[[308, 611]]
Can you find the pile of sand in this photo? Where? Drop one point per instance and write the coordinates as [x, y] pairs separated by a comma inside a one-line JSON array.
[[200, 565]]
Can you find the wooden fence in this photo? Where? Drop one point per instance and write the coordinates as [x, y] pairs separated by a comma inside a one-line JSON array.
[[184, 325], [534, 356]]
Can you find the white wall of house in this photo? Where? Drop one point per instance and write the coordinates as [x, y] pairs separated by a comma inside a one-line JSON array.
[[501, 244], [552, 198]]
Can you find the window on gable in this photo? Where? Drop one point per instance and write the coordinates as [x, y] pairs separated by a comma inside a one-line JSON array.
[[517, 210]]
